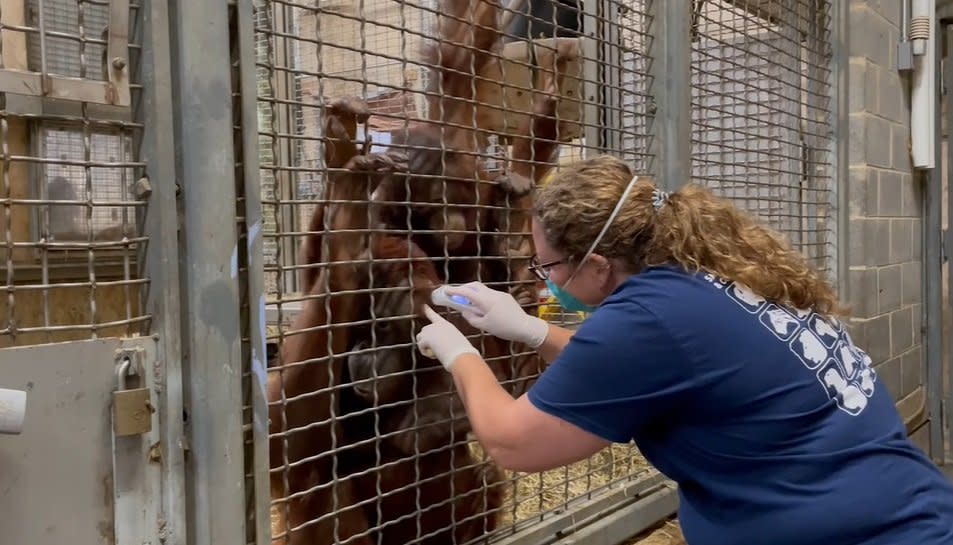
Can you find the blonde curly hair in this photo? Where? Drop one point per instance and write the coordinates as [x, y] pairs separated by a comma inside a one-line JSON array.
[[693, 229]]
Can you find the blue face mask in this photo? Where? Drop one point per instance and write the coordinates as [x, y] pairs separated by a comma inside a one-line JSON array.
[[566, 300]]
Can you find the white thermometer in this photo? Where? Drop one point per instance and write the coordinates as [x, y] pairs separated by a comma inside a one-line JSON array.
[[440, 297]]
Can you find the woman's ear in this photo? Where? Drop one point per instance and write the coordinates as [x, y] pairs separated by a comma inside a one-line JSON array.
[[599, 262]]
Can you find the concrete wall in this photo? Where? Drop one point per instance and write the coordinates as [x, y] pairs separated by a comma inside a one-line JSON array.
[[884, 254]]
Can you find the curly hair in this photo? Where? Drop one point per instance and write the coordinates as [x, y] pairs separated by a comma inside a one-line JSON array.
[[693, 229]]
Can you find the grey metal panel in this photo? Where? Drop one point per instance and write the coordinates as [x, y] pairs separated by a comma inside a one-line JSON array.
[[57, 483], [162, 259], [211, 335], [671, 90], [255, 271]]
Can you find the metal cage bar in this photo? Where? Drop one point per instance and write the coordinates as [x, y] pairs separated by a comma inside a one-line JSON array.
[[160, 188], [933, 279], [211, 333], [947, 372], [255, 358], [840, 64], [671, 91]]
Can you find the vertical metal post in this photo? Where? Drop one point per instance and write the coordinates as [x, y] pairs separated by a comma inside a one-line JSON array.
[[591, 89], [285, 187], [947, 82], [611, 60], [840, 197], [933, 305], [211, 331], [671, 92], [162, 257], [255, 274]]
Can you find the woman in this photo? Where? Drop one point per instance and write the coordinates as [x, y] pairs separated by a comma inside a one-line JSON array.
[[716, 348]]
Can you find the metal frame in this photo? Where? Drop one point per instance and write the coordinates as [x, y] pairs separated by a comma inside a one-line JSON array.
[[210, 333], [162, 259], [114, 91], [285, 187], [840, 198], [671, 91], [611, 61], [946, 80], [932, 286], [255, 291]]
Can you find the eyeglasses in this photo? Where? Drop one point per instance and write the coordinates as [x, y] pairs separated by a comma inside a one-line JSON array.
[[541, 270]]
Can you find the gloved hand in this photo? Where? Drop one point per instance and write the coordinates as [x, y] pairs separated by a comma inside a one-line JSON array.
[[443, 340], [501, 316]]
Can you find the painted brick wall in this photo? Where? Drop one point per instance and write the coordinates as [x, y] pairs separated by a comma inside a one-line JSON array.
[[884, 254]]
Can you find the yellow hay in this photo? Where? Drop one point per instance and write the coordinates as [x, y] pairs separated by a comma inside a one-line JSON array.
[[531, 494]]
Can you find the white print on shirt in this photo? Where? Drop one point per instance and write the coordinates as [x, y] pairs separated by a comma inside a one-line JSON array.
[[780, 322], [823, 345], [824, 331], [746, 298], [715, 281], [809, 347]]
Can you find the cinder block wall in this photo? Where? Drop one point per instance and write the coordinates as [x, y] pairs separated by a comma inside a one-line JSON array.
[[885, 250]]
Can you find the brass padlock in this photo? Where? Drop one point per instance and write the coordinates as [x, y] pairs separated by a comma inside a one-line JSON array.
[[132, 407]]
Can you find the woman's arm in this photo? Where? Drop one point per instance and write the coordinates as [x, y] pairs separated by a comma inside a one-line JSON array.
[[517, 435], [556, 339]]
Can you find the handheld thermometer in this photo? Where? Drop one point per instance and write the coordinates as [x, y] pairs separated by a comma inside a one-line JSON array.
[[440, 297]]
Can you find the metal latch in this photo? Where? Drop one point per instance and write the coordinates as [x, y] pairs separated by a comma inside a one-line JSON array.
[[132, 406]]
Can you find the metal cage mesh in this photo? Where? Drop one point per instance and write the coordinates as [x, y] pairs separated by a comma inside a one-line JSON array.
[[69, 231], [761, 114], [390, 451], [402, 462], [75, 43]]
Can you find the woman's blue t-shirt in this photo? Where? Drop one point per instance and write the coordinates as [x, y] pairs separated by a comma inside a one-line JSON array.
[[772, 422]]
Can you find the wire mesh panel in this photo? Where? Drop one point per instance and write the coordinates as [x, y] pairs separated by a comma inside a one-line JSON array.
[[75, 42], [67, 187], [761, 114], [399, 142], [72, 50]]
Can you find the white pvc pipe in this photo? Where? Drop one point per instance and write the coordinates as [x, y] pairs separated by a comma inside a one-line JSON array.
[[923, 96], [12, 411]]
